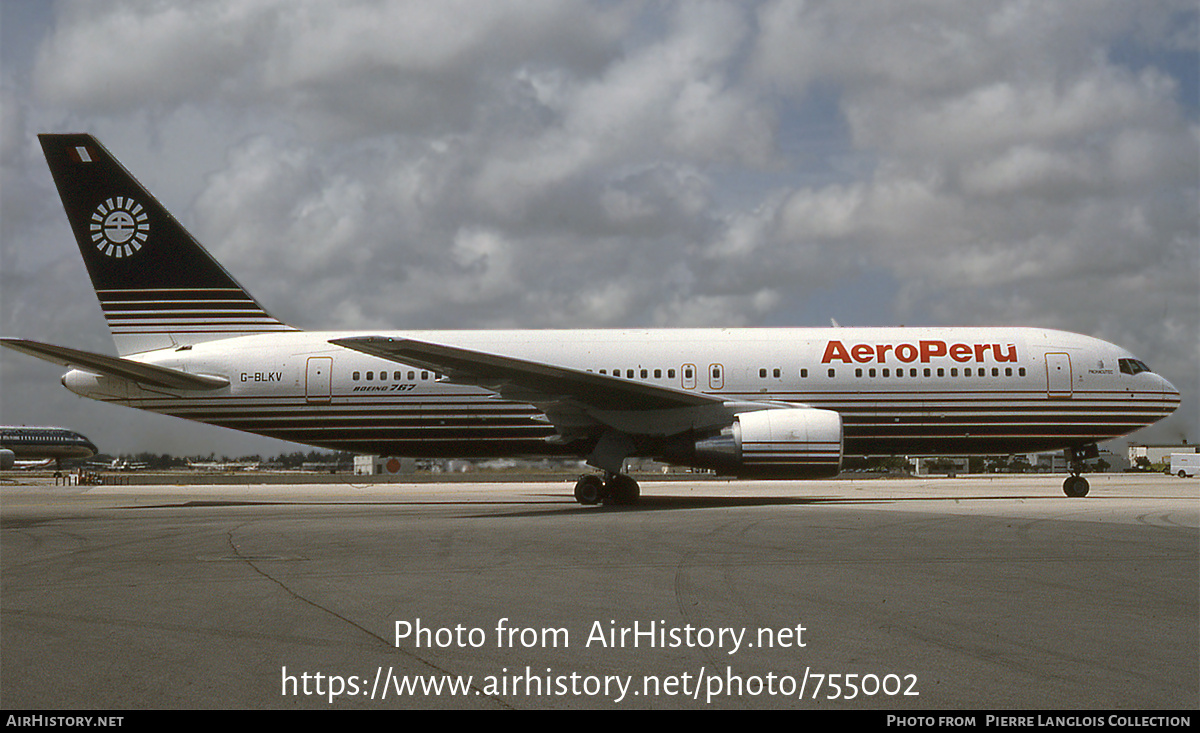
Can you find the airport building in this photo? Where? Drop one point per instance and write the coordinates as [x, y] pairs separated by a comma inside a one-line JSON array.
[[1046, 462], [1158, 453], [383, 465]]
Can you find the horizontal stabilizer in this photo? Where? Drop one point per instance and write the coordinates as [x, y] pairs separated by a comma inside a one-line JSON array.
[[135, 371]]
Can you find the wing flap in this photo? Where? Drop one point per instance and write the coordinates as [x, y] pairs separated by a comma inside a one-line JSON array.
[[112, 366]]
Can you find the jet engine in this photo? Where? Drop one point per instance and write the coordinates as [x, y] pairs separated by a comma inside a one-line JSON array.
[[801, 442]]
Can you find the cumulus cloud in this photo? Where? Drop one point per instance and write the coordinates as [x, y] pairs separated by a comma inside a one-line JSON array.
[[535, 163]]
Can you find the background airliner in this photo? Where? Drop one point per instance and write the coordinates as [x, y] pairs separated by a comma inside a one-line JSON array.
[[32, 445], [747, 402]]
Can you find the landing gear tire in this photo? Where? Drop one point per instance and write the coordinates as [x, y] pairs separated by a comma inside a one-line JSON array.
[[589, 490], [622, 490], [615, 489], [1075, 486]]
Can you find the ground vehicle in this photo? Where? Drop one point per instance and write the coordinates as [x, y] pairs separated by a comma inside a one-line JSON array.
[[1184, 464]]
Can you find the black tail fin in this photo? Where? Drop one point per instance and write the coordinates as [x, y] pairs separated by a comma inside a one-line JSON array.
[[157, 286]]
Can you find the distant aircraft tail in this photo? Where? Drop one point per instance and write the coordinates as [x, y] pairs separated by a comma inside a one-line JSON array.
[[157, 286]]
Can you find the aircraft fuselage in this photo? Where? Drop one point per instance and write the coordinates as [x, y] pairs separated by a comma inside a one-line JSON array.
[[967, 391]]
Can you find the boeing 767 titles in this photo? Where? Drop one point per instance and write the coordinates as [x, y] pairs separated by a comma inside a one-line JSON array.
[[788, 403]]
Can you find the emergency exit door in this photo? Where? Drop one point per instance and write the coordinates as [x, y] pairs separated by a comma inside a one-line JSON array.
[[318, 379]]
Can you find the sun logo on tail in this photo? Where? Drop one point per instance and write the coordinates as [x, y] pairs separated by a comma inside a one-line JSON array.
[[119, 227]]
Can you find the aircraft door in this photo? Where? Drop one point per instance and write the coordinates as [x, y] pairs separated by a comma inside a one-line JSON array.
[[716, 376], [687, 374], [318, 379], [1058, 375]]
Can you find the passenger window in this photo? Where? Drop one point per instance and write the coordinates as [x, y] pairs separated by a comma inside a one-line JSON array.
[[355, 376]]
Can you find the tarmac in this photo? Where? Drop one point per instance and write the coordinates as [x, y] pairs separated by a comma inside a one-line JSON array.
[[966, 593]]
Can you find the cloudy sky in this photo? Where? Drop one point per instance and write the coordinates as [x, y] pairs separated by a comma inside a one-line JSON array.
[[468, 164]]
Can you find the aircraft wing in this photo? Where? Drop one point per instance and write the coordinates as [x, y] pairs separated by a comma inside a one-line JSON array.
[[134, 371], [571, 399]]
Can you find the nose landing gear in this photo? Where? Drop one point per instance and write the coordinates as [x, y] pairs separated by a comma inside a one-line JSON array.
[[1076, 485]]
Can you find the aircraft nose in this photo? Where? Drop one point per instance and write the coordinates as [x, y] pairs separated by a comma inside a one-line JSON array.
[[1171, 395]]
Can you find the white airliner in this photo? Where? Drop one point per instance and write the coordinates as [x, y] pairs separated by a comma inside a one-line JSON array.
[[747, 402]]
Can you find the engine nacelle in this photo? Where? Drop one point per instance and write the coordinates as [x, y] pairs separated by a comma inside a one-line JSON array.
[[801, 442], [98, 387], [8, 459]]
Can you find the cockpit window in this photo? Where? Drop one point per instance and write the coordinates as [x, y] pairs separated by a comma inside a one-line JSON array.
[[1132, 366]]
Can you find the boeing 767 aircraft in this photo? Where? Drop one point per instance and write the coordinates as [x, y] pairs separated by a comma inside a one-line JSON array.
[[772, 402]]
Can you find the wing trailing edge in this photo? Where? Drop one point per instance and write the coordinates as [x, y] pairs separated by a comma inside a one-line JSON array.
[[578, 403], [529, 381]]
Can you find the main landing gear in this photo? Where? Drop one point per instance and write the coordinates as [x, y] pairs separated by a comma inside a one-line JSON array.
[[614, 488], [1076, 485]]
